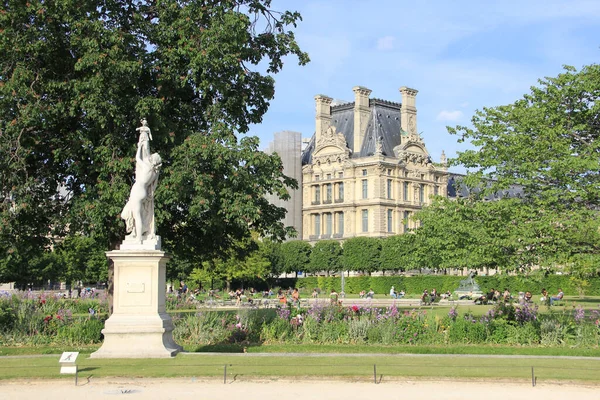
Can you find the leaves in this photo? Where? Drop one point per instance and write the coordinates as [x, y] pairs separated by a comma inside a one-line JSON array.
[[76, 77]]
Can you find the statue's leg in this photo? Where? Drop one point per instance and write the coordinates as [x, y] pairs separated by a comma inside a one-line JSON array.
[[138, 228]]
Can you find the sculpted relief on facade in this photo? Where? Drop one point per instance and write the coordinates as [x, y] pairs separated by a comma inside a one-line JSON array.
[[331, 147]]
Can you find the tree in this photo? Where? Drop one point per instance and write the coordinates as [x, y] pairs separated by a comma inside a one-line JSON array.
[[396, 251], [295, 255], [548, 144], [244, 260], [272, 252], [362, 254], [325, 256], [467, 233], [76, 76]]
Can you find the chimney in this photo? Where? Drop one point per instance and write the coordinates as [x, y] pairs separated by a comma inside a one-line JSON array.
[[323, 116], [408, 112], [361, 115]]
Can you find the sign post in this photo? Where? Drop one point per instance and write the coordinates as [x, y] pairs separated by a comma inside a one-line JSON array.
[[68, 363]]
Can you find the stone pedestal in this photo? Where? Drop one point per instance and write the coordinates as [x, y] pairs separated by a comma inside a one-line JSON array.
[[139, 326]]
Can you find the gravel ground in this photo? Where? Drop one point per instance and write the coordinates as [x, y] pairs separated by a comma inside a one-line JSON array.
[[146, 388]]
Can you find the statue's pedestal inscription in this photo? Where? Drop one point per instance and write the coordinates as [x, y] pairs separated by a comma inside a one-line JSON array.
[[139, 326]]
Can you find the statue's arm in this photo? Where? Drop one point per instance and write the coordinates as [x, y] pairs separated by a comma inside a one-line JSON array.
[[138, 154]]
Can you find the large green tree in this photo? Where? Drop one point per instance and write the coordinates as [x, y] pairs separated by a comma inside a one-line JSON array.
[[397, 252], [547, 145], [362, 254], [75, 79], [295, 256], [325, 256]]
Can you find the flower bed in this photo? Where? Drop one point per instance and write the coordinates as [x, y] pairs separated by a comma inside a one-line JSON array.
[[48, 321]]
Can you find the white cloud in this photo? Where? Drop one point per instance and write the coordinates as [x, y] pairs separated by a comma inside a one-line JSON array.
[[385, 43], [449, 115]]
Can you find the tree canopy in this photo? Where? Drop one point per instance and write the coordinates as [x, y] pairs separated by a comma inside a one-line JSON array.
[[362, 254], [547, 144], [325, 256], [75, 79]]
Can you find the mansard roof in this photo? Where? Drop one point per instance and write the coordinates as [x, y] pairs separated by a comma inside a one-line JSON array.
[[456, 189], [383, 125]]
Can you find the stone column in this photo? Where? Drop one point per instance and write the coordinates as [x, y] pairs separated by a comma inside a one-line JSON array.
[[361, 115], [139, 326], [323, 115], [408, 112]]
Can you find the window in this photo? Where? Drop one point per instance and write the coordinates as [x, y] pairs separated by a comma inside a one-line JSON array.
[[422, 176], [389, 188], [390, 214], [328, 224], [341, 175], [405, 194], [436, 190], [405, 173], [328, 176], [328, 193], [437, 178], [340, 223], [317, 177], [341, 191], [317, 194], [421, 193], [406, 217], [389, 172], [365, 189], [317, 224], [364, 172], [365, 220]]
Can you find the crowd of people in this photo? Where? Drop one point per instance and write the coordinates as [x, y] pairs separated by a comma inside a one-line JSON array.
[[292, 295], [495, 296]]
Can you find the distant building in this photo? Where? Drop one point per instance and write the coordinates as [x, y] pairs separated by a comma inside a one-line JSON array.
[[366, 169], [288, 145]]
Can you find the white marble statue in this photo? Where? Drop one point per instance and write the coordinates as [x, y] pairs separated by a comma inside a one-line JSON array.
[[145, 137], [138, 213]]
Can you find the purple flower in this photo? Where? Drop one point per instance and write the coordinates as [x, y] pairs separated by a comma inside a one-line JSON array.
[[453, 313]]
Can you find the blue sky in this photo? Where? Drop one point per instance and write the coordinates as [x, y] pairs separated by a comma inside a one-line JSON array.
[[460, 56]]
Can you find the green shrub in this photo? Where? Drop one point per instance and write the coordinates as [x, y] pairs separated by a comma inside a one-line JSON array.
[[526, 334], [81, 331], [334, 332], [8, 316], [358, 329], [467, 330]]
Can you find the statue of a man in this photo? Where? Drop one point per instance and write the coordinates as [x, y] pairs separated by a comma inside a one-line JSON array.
[[138, 213]]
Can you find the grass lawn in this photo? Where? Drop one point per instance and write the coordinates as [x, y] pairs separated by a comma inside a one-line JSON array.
[[316, 366]]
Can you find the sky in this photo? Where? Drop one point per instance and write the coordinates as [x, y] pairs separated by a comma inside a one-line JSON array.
[[460, 55]]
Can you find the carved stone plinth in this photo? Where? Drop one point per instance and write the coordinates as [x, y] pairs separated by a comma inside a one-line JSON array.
[[139, 326]]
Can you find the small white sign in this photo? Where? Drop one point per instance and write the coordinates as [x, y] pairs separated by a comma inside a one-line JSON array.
[[68, 357], [67, 362]]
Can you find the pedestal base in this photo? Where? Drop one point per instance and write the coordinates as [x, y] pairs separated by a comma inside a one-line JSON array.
[[134, 336], [139, 326], [470, 295]]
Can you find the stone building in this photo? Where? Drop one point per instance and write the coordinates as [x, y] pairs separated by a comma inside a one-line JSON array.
[[288, 145], [366, 168]]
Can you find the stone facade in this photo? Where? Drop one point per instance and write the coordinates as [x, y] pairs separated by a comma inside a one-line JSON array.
[[366, 170], [288, 145]]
